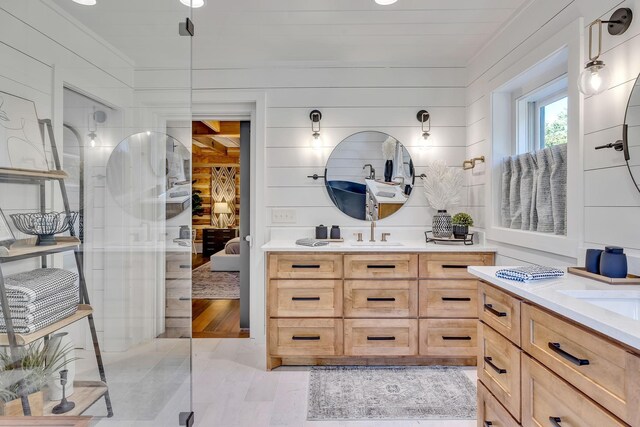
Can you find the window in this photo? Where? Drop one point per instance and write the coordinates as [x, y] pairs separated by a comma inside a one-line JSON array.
[[535, 180], [542, 117]]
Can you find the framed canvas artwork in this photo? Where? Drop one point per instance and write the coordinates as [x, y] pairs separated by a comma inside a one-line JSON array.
[[21, 143]]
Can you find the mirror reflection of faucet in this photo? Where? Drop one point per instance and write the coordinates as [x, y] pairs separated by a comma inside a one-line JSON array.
[[372, 171]]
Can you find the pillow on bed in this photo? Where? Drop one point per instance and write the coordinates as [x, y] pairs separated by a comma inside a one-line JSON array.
[[232, 246]]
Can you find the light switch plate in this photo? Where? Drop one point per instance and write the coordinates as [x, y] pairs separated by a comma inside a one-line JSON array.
[[283, 216]]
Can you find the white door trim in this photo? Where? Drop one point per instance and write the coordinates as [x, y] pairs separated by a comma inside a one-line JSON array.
[[234, 105]]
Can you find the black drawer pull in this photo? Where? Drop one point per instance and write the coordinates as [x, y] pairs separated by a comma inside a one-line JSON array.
[[306, 338], [381, 266], [455, 299], [381, 338], [488, 424], [555, 346], [376, 299], [456, 338], [555, 421], [305, 266], [490, 309], [454, 266], [305, 298], [488, 361], [185, 266]]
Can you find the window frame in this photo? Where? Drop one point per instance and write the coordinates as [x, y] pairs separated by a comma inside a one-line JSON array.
[[557, 57]]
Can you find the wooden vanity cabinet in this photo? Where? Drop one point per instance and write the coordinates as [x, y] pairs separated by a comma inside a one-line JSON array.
[[544, 369], [372, 308]]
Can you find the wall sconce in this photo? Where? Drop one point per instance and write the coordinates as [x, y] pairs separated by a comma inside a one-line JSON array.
[[98, 116], [594, 79], [315, 116], [424, 117]]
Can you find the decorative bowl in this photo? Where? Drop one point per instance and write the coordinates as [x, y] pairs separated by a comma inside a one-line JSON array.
[[44, 225]]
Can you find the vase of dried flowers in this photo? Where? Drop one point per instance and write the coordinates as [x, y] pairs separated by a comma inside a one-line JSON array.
[[442, 188]]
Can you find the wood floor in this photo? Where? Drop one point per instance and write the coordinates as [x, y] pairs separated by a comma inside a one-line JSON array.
[[217, 319]]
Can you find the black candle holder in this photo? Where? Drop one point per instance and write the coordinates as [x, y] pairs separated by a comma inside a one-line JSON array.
[[64, 406]]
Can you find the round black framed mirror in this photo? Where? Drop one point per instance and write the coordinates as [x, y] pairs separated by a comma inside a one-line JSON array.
[[369, 175], [149, 182], [631, 134]]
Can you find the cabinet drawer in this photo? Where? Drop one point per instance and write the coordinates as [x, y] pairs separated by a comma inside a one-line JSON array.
[[499, 368], [178, 265], [381, 266], [547, 399], [380, 298], [500, 311], [490, 412], [305, 266], [449, 337], [305, 298], [305, 337], [449, 298], [451, 265], [381, 337], [599, 368]]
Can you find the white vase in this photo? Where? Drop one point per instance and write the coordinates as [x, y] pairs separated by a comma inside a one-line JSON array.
[[57, 342]]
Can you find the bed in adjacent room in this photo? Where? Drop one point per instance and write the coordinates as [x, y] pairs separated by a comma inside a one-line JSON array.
[[228, 259]]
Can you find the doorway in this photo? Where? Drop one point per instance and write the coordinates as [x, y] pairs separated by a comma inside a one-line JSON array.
[[220, 209]]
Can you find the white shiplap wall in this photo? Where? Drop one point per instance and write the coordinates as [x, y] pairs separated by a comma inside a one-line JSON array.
[[611, 204], [351, 100]]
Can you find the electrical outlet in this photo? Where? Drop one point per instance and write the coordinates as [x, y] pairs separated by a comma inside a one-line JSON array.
[[283, 216]]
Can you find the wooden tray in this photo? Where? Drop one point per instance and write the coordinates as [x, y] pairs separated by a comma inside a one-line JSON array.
[[581, 271]]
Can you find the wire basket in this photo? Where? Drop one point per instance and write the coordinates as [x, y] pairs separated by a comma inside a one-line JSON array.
[[44, 225]]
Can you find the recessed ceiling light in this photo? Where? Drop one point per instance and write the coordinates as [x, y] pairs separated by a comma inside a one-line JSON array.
[[193, 3], [386, 2], [86, 2]]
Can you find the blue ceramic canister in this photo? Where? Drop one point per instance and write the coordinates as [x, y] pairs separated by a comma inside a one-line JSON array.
[[592, 260], [613, 262]]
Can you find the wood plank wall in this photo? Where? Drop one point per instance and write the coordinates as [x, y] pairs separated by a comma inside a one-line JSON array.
[[203, 162]]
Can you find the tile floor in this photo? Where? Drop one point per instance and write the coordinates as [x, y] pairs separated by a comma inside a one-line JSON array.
[[230, 388]]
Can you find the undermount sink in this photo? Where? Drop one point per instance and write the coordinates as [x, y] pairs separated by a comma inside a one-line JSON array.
[[375, 244], [625, 303]]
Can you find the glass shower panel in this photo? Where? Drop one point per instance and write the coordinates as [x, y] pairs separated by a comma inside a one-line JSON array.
[[95, 192]]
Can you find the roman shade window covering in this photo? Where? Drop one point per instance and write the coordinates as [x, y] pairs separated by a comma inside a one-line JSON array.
[[534, 191]]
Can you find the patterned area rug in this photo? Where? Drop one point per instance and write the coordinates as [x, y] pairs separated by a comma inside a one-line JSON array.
[[207, 284], [394, 393]]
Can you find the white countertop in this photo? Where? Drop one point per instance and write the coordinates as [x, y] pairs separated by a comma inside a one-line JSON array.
[[548, 294], [352, 246], [377, 186]]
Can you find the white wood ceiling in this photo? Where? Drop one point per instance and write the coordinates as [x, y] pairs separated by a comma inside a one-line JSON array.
[[255, 33]]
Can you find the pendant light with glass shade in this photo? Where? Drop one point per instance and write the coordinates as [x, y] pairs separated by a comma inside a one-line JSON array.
[[86, 2], [385, 2], [595, 77]]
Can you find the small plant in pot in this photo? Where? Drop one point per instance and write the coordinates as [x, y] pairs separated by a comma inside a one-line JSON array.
[[461, 223], [34, 367]]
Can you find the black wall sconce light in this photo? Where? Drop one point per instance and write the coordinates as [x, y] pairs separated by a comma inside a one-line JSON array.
[[424, 117], [594, 79], [315, 116]]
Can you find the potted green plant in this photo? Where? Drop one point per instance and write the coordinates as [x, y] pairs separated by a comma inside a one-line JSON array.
[[461, 223], [35, 365], [196, 203]]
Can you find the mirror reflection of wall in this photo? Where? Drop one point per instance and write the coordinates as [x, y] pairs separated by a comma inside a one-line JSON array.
[[369, 175]]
